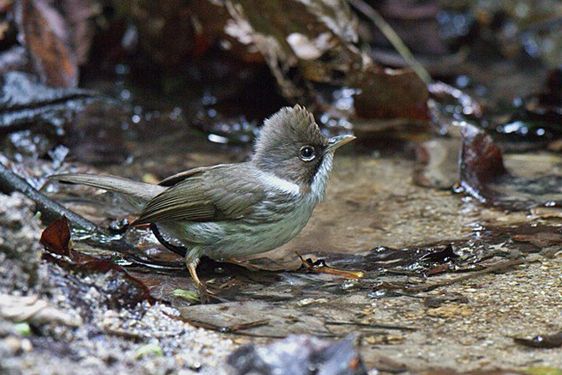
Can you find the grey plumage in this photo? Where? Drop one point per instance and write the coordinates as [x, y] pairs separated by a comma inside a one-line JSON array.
[[136, 193]]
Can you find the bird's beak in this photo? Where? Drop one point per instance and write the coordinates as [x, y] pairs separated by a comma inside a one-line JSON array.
[[336, 142]]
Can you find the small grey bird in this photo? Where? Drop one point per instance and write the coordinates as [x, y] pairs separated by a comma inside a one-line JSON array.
[[234, 210]]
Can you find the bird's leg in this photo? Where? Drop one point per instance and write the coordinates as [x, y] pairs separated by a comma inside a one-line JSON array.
[[204, 293], [192, 268]]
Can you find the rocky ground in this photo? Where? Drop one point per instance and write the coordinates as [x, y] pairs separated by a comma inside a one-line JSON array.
[[53, 320]]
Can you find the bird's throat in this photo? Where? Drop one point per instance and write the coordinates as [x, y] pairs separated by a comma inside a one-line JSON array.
[[320, 179]]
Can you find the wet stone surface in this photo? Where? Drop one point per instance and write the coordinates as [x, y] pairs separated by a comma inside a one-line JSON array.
[[448, 283], [20, 251]]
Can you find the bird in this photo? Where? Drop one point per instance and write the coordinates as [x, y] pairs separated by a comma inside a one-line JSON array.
[[227, 211]]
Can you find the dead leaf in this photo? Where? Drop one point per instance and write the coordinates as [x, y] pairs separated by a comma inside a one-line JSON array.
[[56, 237], [14, 58], [481, 160], [540, 239], [79, 15], [484, 176], [123, 290], [45, 35], [542, 341], [310, 44], [388, 93]]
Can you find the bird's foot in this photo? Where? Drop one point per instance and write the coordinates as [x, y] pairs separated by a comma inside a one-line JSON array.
[[206, 295]]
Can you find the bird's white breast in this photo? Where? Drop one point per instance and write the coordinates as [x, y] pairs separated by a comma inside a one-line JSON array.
[[278, 184]]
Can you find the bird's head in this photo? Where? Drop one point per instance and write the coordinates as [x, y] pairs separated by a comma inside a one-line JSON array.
[[291, 146]]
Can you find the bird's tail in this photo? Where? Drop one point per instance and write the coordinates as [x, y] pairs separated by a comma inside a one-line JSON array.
[[140, 191]]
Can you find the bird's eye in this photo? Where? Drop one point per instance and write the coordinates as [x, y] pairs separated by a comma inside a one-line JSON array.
[[307, 153]]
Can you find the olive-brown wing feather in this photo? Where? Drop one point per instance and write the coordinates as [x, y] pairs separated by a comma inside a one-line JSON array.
[[179, 177], [218, 194]]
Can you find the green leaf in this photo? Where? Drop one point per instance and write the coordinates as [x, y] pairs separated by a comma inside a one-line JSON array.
[[23, 329], [149, 350], [188, 295], [543, 371]]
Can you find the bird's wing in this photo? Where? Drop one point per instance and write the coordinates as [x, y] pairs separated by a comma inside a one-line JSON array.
[[179, 177], [227, 192]]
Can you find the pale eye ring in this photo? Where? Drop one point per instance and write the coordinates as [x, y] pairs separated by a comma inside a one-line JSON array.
[[307, 153]]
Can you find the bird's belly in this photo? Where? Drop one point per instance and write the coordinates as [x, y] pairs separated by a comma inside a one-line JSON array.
[[246, 238]]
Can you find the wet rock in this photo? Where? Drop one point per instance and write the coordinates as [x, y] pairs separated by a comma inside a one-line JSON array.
[[299, 355], [437, 163], [226, 317], [449, 104], [484, 176], [24, 101], [450, 311], [20, 252], [34, 310], [437, 301]]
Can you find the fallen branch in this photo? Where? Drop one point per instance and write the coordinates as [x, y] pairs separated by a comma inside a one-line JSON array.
[[50, 210]]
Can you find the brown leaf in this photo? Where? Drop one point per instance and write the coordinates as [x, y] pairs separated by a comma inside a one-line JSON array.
[[481, 160], [123, 290], [540, 239], [387, 93], [44, 33], [484, 176], [14, 58], [79, 14], [56, 237], [541, 341]]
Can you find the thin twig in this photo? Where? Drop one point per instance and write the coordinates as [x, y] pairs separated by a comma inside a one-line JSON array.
[[393, 38], [371, 325], [498, 267]]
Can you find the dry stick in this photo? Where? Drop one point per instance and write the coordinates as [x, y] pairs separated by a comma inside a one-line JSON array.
[[502, 266], [371, 325], [51, 210], [393, 38]]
